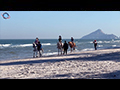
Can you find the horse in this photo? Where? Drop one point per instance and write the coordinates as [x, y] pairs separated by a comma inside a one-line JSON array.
[[72, 45], [59, 46]]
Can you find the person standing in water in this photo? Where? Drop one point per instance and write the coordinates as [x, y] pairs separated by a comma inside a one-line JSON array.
[[40, 49], [65, 46], [95, 44], [35, 51]]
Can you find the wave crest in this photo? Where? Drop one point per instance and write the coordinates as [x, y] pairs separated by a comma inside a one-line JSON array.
[[20, 45], [5, 45], [46, 43]]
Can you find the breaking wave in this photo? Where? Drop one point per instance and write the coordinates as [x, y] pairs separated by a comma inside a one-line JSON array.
[[5, 45], [100, 45], [114, 45], [20, 45], [88, 49], [49, 54], [46, 44], [112, 41]]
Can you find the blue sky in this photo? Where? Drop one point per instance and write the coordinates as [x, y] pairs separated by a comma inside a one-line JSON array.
[[51, 24]]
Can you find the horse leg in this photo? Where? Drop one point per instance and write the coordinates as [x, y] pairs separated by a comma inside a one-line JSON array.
[[71, 49], [37, 53], [74, 48], [61, 51]]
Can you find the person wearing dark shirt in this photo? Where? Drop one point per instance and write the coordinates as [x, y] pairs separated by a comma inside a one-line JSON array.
[[65, 46], [72, 39], [60, 38], [36, 41], [40, 49], [95, 44]]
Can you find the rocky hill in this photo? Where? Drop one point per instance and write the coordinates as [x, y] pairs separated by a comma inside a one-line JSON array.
[[99, 34]]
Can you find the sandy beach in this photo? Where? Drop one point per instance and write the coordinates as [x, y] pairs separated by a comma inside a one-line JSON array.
[[98, 64]]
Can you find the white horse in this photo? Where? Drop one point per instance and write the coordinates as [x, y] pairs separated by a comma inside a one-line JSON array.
[[59, 46]]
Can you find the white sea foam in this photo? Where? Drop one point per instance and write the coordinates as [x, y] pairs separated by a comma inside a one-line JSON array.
[[114, 45], [97, 42], [104, 41], [56, 53], [100, 41], [107, 41], [27, 45], [112, 41], [87, 49], [48, 54], [116, 41], [100, 45], [22, 45], [46, 43], [91, 42], [5, 45]]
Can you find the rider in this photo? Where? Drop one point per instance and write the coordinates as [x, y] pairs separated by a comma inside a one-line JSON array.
[[60, 38], [72, 39]]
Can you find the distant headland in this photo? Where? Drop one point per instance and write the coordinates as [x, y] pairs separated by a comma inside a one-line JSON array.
[[99, 34]]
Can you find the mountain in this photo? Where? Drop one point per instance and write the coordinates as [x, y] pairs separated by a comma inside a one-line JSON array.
[[99, 34]]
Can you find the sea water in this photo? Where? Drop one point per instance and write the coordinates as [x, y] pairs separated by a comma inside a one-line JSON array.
[[11, 49]]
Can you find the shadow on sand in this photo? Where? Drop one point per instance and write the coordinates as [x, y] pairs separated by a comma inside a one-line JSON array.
[[83, 75], [103, 57]]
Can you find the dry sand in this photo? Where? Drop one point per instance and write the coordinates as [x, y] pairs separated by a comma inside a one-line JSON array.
[[99, 64]]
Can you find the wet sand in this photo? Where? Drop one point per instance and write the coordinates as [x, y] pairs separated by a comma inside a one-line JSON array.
[[98, 64]]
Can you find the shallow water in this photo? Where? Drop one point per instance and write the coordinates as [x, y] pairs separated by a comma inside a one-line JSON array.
[[11, 49]]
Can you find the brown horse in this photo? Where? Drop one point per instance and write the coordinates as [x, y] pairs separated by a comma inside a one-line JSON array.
[[72, 45]]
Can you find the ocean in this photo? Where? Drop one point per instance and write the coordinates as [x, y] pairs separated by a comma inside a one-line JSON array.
[[11, 49]]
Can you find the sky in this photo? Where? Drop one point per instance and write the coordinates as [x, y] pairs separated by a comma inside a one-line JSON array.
[[51, 24]]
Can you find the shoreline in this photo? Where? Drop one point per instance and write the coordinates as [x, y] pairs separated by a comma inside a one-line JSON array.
[[101, 51], [98, 64]]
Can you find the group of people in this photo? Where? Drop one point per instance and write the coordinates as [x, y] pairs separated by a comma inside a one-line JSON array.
[[64, 47], [38, 50]]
